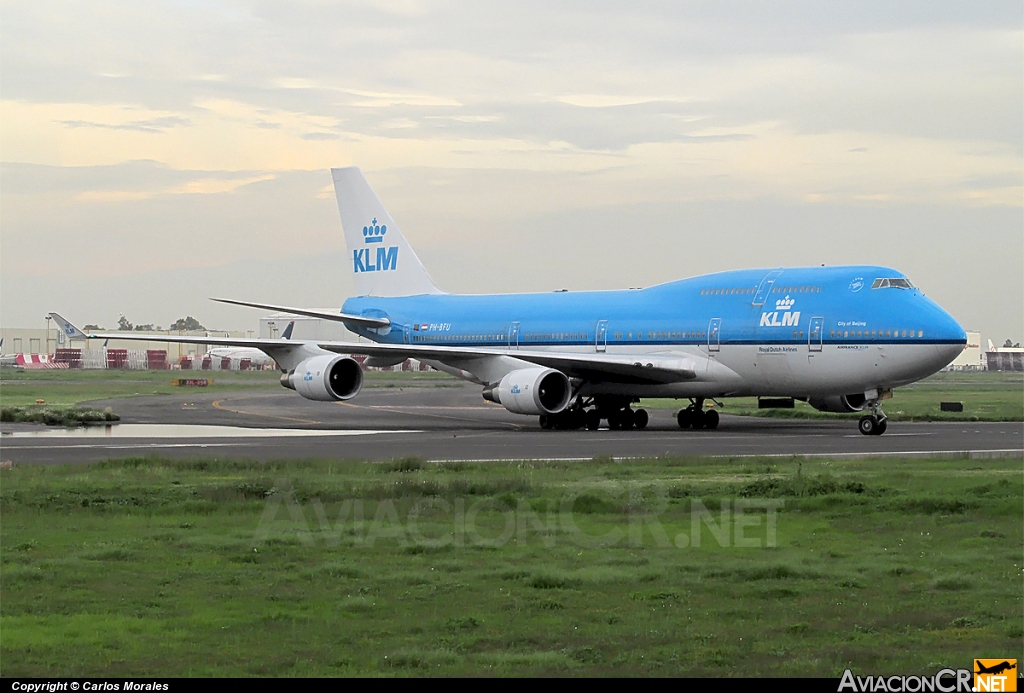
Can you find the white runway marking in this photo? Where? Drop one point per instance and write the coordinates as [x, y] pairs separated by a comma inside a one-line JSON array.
[[185, 431]]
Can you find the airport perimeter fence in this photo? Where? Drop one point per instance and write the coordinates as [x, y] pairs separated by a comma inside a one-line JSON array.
[[122, 359]]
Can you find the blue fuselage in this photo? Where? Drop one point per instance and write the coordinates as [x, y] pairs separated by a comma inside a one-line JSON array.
[[764, 307]]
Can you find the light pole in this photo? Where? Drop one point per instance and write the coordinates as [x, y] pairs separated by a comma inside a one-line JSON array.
[[48, 318]]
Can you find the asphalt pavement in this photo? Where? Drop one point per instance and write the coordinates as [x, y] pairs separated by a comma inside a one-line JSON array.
[[453, 422]]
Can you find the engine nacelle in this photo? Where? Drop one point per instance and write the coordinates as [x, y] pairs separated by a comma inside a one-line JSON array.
[[840, 404], [326, 378], [532, 391]]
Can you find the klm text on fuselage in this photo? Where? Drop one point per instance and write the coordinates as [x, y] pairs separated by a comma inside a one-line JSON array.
[[363, 260], [772, 319]]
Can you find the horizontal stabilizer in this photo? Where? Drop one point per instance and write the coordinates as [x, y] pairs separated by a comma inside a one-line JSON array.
[[322, 314]]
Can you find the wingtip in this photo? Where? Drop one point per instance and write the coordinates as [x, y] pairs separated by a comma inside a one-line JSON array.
[[339, 171]]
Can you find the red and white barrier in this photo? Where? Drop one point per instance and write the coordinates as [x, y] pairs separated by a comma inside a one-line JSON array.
[[37, 361]]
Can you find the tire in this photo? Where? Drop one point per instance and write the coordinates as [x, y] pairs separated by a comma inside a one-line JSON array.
[[880, 428], [698, 419], [593, 420], [627, 419], [579, 419], [711, 419], [641, 418], [613, 421], [545, 422], [867, 425], [684, 419]]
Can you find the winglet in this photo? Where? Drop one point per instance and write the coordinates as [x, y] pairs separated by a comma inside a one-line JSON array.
[[287, 334], [70, 330]]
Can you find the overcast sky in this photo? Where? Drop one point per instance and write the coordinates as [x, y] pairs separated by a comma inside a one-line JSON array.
[[154, 154]]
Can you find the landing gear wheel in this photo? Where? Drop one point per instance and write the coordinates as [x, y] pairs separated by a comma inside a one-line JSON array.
[[593, 420], [882, 425], [711, 419], [698, 419], [546, 423], [868, 425], [684, 418], [627, 420], [641, 418]]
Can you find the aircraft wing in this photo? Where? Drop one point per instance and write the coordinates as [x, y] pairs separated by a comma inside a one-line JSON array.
[[601, 367], [252, 342], [363, 320]]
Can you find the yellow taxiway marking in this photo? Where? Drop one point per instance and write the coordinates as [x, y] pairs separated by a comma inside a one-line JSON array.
[[219, 404]]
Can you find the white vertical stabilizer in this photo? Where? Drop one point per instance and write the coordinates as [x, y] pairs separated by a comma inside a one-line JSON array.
[[382, 261]]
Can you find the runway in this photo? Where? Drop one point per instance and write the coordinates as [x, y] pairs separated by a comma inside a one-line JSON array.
[[452, 422]]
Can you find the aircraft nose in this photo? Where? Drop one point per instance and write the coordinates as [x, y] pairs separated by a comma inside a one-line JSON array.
[[950, 338]]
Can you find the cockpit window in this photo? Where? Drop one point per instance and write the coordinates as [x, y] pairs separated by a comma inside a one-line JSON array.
[[892, 283]]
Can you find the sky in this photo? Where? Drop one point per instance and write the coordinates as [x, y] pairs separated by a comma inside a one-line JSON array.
[[156, 154]]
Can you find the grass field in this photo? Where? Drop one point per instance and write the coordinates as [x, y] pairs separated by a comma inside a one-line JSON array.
[[628, 567], [20, 387]]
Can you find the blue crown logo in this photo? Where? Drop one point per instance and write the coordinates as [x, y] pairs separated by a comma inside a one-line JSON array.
[[374, 233]]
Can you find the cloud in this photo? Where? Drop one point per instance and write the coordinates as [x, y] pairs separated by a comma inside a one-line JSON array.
[[153, 125], [211, 126]]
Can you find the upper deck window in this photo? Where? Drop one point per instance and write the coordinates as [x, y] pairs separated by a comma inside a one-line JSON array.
[[892, 283]]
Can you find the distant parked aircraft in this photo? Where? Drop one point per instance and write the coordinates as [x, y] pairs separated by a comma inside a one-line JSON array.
[[256, 357]]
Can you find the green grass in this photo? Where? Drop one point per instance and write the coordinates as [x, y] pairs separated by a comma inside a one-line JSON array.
[[55, 415], [165, 568], [986, 396], [66, 387]]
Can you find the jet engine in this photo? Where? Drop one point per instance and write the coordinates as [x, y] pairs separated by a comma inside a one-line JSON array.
[[326, 378], [532, 391], [840, 404]]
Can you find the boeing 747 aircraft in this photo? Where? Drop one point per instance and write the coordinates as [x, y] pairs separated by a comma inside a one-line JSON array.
[[839, 338]]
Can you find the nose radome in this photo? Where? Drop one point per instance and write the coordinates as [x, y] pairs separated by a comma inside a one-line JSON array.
[[952, 339]]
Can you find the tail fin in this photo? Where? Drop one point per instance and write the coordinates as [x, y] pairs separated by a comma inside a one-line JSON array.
[[287, 334], [383, 263], [67, 328]]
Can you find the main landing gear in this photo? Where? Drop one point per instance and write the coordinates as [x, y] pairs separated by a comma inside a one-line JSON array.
[[590, 412], [695, 417], [874, 424]]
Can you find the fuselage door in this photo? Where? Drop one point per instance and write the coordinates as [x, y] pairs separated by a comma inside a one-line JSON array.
[[513, 336], [601, 336], [765, 287], [714, 334], [815, 334]]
